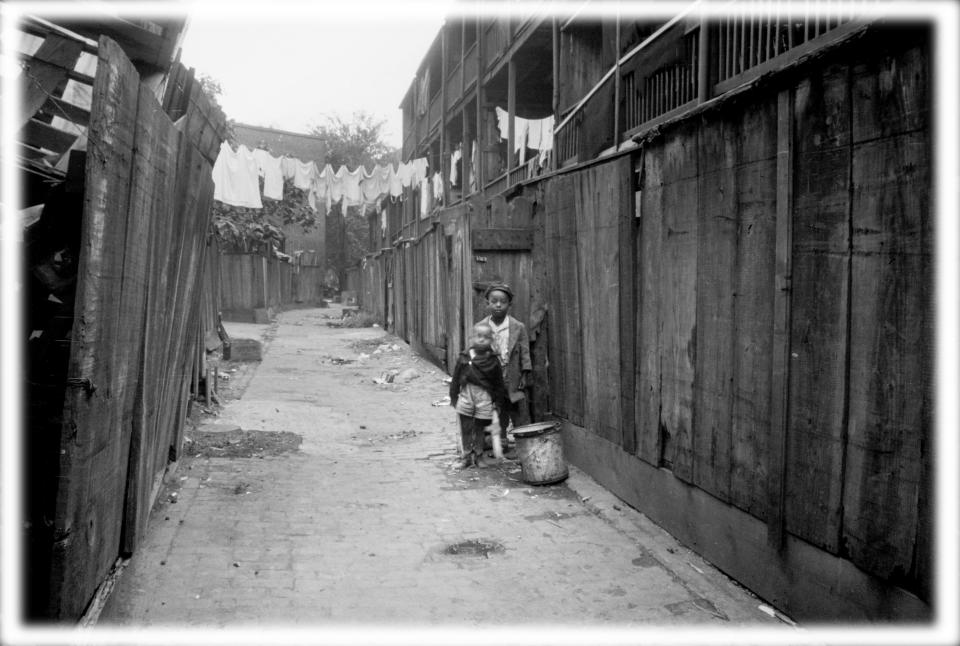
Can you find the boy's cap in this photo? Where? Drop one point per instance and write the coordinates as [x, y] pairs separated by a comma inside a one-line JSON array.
[[503, 287]]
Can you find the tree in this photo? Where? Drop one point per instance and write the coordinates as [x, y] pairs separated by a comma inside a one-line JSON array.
[[354, 142], [351, 143]]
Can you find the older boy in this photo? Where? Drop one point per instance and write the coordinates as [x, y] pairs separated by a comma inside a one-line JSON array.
[[513, 347]]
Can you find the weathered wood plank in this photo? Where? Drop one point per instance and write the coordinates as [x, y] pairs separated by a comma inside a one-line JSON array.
[[599, 196], [677, 285], [627, 303], [563, 314], [152, 186], [95, 443], [887, 433], [46, 72], [819, 309], [649, 302], [753, 316], [716, 332]]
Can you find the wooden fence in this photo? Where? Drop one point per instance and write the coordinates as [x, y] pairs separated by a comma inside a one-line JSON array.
[[755, 323], [146, 210], [250, 282]]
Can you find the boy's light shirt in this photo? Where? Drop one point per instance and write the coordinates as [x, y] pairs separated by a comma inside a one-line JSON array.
[[501, 334]]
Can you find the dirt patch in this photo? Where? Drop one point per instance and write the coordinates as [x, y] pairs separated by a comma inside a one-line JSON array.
[[240, 444]]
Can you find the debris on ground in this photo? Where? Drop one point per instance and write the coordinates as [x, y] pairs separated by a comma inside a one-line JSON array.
[[406, 375], [442, 402], [386, 377]]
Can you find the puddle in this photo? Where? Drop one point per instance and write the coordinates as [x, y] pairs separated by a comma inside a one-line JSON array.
[[476, 547]]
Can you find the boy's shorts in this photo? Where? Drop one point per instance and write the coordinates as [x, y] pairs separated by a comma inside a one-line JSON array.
[[475, 402]]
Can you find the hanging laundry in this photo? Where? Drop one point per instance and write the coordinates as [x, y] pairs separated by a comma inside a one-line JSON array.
[[423, 90], [326, 181], [437, 188], [455, 158], [473, 166], [270, 170], [288, 165], [304, 175], [349, 186], [235, 177], [426, 196], [540, 134], [520, 128], [376, 184], [396, 181], [419, 172]]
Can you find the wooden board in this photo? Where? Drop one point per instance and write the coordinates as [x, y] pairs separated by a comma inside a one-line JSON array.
[[677, 287], [563, 313], [601, 195], [152, 185], [649, 265], [756, 179], [95, 443], [820, 302], [716, 333], [887, 433]]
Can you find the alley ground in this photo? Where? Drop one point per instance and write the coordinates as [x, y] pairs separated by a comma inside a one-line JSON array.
[[368, 522]]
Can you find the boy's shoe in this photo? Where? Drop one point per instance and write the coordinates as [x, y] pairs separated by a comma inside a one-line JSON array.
[[464, 462], [483, 462]]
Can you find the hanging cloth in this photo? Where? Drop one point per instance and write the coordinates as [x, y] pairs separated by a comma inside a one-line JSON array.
[[288, 165], [395, 181], [350, 186], [419, 172], [455, 158], [235, 177], [270, 170], [304, 175]]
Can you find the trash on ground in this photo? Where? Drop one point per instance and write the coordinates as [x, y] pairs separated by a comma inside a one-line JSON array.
[[406, 375], [387, 377], [694, 567], [442, 402], [447, 380]]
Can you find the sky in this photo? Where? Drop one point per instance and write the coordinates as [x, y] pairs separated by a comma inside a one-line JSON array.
[[285, 64]]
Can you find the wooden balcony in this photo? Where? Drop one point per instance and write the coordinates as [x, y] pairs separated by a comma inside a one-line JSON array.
[[666, 76], [454, 86], [434, 113], [470, 67], [496, 38]]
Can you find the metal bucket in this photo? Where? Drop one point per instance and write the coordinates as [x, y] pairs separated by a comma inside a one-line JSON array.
[[540, 451]]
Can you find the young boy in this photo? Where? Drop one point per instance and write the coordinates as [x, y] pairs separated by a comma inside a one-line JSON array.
[[513, 348], [475, 388]]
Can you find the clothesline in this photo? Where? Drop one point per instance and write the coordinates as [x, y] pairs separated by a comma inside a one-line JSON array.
[[236, 176]]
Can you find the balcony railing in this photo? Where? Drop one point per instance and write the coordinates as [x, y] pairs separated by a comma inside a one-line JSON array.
[[748, 41], [498, 184], [496, 37], [660, 78]]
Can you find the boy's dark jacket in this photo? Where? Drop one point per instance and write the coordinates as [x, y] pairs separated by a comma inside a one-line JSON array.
[[483, 370]]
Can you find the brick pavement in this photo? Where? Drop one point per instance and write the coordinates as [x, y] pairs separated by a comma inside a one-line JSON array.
[[354, 527]]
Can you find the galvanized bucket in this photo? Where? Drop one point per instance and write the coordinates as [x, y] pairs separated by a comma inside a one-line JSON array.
[[540, 451]]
